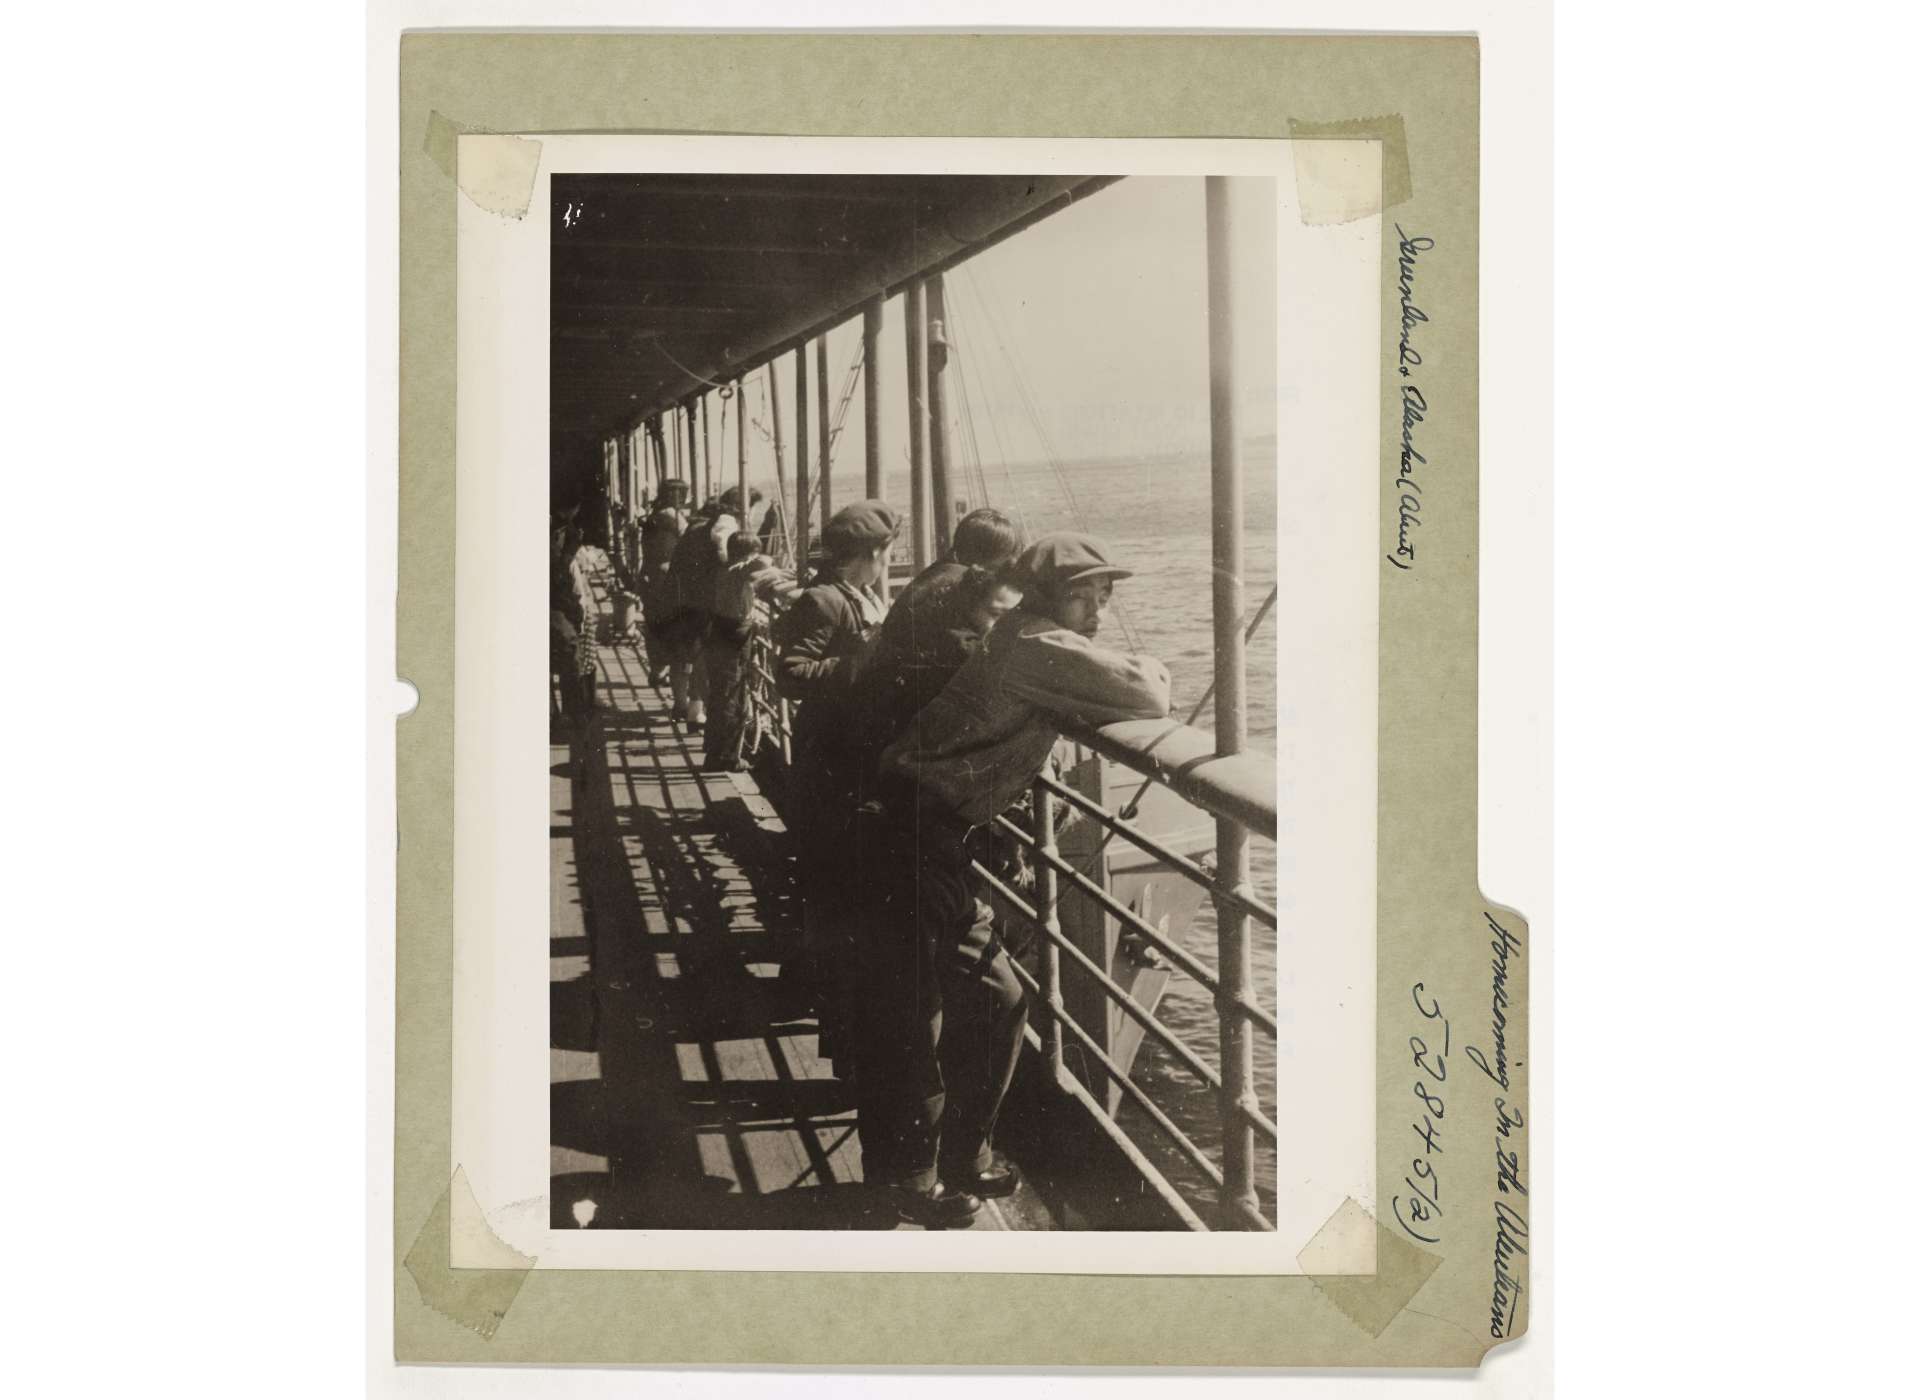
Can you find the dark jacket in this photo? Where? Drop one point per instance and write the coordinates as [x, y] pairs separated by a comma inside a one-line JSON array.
[[822, 641], [697, 561], [927, 637]]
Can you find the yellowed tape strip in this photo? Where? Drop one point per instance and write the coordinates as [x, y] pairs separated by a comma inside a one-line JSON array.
[[1370, 1301], [495, 171], [1336, 184], [475, 1297]]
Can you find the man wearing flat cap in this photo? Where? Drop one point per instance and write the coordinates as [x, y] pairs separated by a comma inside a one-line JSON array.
[[941, 1012], [821, 640]]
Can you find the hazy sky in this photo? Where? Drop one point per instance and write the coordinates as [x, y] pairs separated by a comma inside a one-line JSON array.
[[1104, 309]]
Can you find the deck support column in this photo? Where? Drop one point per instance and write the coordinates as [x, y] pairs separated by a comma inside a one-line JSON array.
[[871, 321], [1240, 1202], [780, 468], [937, 445], [692, 458], [802, 524], [740, 413], [825, 464], [706, 442], [917, 424]]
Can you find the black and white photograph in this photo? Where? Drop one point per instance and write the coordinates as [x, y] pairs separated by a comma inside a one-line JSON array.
[[912, 704]]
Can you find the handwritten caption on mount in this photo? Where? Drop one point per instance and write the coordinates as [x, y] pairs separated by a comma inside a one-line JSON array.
[[1419, 1210], [1413, 400]]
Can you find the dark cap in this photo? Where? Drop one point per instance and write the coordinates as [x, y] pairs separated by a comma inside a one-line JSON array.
[[860, 526], [1054, 561]]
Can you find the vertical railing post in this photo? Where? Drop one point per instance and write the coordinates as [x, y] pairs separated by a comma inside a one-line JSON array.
[[1240, 1200], [706, 444], [780, 468], [937, 447], [871, 321], [825, 464], [802, 524], [1046, 893], [693, 457], [917, 424], [740, 414]]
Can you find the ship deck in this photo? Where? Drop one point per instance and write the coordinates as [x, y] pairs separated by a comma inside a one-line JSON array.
[[687, 1087]]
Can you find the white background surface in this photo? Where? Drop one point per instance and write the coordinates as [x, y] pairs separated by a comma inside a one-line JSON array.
[[186, 362]]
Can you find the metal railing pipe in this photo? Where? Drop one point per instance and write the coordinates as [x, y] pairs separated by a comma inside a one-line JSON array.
[[1188, 762], [1047, 888], [1147, 932], [1186, 1145], [1168, 1193], [1055, 942], [1159, 852]]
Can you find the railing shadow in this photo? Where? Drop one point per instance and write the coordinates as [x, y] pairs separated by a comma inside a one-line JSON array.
[[673, 1043]]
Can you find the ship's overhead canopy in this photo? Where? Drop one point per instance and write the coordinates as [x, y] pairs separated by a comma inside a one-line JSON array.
[[663, 284]]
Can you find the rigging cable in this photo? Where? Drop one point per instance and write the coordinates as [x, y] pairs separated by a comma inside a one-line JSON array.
[[993, 420], [1046, 446], [977, 472]]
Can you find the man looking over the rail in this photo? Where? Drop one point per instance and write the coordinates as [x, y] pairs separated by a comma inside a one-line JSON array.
[[821, 640], [941, 1012], [936, 622], [659, 537], [697, 562]]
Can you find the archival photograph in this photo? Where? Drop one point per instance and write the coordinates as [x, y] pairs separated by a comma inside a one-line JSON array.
[[955, 735], [912, 703]]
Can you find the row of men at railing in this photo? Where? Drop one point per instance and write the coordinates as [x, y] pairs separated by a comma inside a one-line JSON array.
[[918, 725]]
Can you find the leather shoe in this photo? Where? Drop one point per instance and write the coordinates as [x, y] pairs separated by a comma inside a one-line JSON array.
[[1000, 1179], [938, 1208]]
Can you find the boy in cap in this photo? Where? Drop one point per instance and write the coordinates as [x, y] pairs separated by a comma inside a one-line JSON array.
[[698, 561], [821, 641], [942, 1014], [659, 537]]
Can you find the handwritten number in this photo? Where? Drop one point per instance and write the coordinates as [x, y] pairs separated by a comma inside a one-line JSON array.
[[1438, 1069]]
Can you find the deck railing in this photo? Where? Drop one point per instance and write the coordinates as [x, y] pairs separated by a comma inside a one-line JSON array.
[[1238, 790], [1233, 789]]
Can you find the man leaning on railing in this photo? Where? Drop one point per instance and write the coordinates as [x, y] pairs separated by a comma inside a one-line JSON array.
[[941, 1013]]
